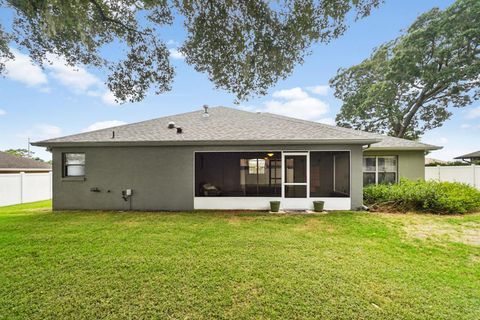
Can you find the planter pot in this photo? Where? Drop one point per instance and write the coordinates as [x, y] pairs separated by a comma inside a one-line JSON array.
[[318, 206], [274, 206]]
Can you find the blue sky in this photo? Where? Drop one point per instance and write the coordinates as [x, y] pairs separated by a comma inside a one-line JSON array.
[[59, 100]]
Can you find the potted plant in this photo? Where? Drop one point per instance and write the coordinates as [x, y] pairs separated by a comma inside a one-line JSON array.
[[274, 206], [318, 206]]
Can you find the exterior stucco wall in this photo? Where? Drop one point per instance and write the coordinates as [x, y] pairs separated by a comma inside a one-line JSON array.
[[162, 178], [411, 164]]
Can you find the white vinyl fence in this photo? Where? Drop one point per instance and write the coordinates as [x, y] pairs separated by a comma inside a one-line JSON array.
[[466, 174], [24, 187]]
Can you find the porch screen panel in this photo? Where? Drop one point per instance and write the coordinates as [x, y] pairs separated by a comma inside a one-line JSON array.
[[329, 174], [238, 174]]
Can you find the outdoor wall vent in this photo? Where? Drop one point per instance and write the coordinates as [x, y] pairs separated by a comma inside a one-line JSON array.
[[205, 112], [179, 130], [171, 125]]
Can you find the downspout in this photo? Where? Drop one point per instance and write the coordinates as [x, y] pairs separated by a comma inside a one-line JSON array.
[[364, 207]]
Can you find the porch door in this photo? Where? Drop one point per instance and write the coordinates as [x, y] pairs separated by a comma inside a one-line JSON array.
[[295, 182]]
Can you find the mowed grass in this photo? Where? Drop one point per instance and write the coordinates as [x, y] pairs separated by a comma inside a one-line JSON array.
[[133, 265]]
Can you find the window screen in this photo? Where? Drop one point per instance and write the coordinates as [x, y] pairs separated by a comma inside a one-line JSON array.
[[238, 174], [329, 174], [74, 164]]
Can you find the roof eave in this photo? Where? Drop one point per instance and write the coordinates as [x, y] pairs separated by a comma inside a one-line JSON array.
[[201, 142], [470, 157], [425, 148], [25, 169]]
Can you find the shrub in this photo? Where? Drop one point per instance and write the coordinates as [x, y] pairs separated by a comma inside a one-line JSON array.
[[427, 196]]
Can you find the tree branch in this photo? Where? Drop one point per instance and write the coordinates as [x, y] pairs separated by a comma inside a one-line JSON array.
[[106, 18], [424, 96]]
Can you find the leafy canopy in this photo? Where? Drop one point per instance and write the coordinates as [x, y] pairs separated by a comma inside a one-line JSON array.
[[407, 85], [23, 153], [244, 46]]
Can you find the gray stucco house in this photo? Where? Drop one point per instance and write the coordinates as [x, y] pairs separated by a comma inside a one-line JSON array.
[[224, 158]]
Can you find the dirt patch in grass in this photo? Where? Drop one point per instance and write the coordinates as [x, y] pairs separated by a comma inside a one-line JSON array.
[[39, 210], [467, 233], [474, 259], [237, 220], [313, 224]]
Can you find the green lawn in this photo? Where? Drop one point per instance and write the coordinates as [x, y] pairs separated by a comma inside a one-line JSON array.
[[344, 265]]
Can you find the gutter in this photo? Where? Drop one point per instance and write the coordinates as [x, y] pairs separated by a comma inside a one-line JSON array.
[[200, 143], [402, 148], [25, 169]]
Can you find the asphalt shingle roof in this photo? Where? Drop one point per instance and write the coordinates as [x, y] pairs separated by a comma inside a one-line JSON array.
[[231, 125], [10, 161], [475, 154]]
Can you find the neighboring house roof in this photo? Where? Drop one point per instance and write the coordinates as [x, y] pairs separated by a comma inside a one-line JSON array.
[[10, 162], [432, 160], [471, 155], [232, 126]]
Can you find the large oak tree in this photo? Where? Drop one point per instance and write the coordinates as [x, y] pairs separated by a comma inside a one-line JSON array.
[[409, 85], [244, 46]]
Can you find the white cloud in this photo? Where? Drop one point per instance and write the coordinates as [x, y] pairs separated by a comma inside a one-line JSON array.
[[79, 80], [75, 78], [473, 113], [41, 132], [470, 126], [308, 109], [295, 103], [438, 141], [106, 96], [291, 94], [23, 70], [2, 112], [175, 54], [104, 124], [321, 90]]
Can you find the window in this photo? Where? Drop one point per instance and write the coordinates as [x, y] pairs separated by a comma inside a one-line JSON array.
[[379, 169], [256, 166], [238, 174], [329, 174], [74, 164]]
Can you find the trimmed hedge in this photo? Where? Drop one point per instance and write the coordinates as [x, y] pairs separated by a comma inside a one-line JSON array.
[[427, 196]]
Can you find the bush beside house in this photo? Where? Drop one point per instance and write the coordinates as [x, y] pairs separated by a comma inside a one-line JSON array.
[[425, 196]]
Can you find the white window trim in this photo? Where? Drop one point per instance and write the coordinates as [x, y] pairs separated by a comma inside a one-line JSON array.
[[65, 165], [376, 167]]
